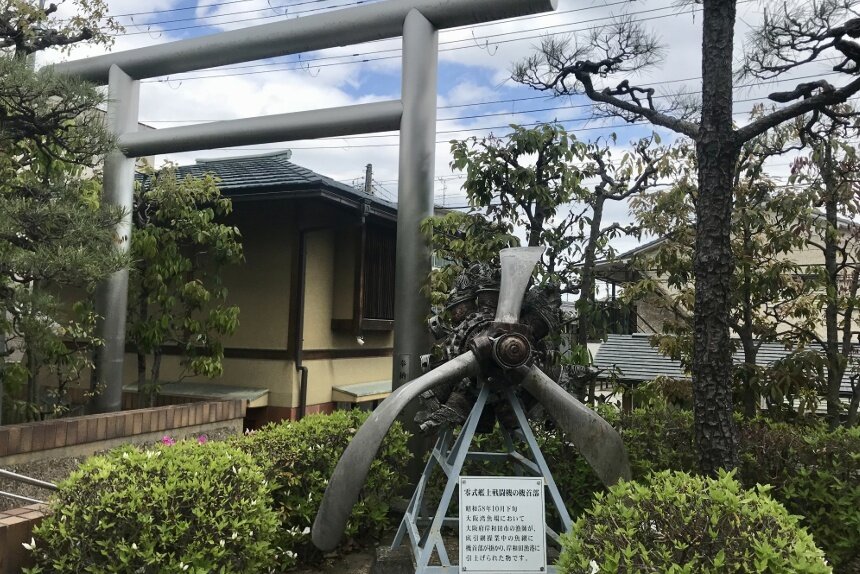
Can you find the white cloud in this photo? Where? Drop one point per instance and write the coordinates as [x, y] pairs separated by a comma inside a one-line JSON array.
[[326, 83]]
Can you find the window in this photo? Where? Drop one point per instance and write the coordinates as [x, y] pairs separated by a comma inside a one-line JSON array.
[[379, 251], [365, 265]]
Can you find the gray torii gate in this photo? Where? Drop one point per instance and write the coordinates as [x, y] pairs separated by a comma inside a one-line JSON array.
[[417, 21]]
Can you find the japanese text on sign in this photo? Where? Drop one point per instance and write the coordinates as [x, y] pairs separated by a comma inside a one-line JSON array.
[[502, 526]]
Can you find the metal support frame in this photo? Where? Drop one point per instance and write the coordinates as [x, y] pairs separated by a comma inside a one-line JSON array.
[[416, 20], [450, 460]]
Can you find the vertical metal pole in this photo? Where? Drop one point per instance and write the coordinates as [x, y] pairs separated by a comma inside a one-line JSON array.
[[414, 204], [415, 194], [112, 294]]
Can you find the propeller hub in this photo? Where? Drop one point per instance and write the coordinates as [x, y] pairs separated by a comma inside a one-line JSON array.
[[512, 350]]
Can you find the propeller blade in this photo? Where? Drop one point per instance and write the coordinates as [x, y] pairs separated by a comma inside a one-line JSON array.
[[518, 263], [597, 441], [349, 475]]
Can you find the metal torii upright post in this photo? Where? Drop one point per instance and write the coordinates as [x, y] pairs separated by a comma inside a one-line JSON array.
[[416, 20]]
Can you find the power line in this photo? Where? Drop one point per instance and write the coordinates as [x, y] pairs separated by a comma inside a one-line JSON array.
[[288, 12], [285, 14], [214, 4], [557, 108], [449, 42], [531, 124]]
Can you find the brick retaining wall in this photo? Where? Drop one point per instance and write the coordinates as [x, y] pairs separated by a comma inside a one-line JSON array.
[[16, 527], [88, 434], [34, 437]]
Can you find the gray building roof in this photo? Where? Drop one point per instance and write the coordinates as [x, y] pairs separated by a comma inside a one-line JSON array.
[[634, 360], [272, 175]]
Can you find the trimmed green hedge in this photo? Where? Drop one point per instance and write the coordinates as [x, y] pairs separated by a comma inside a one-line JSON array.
[[298, 459], [815, 473], [682, 523], [175, 508]]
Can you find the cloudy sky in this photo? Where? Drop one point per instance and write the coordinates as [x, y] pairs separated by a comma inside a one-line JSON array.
[[475, 94]]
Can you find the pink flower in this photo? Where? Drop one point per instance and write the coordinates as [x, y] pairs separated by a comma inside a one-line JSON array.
[[167, 440], [202, 439]]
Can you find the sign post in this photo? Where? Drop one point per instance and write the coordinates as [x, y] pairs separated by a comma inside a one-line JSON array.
[[502, 524]]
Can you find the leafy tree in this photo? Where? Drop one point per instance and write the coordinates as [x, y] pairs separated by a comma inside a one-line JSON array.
[[830, 171], [55, 235], [770, 302], [459, 240], [792, 36], [179, 248], [555, 188], [25, 28]]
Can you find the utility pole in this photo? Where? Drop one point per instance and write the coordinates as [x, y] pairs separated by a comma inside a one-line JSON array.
[[368, 180]]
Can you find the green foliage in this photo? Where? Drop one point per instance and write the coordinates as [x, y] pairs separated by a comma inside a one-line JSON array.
[[182, 508], [814, 474], [176, 296], [658, 438], [534, 179], [681, 523], [769, 302], [812, 471], [299, 457], [26, 28], [55, 234], [459, 240]]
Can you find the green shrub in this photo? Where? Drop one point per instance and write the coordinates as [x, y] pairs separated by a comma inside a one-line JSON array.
[[680, 523], [658, 437], [187, 507], [299, 457], [815, 473]]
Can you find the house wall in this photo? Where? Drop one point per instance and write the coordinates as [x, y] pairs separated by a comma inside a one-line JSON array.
[[261, 353], [656, 315], [337, 358], [652, 315]]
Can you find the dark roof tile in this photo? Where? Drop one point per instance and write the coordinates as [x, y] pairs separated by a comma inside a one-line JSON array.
[[271, 173]]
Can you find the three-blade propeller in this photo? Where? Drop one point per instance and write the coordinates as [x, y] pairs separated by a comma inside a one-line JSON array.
[[596, 440]]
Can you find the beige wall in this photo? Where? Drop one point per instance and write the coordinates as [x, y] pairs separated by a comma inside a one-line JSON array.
[[261, 286], [323, 375], [346, 243], [324, 282]]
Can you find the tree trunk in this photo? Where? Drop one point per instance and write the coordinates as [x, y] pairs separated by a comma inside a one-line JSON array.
[[156, 374], [585, 303], [143, 310], [749, 392], [835, 365], [717, 153], [853, 407]]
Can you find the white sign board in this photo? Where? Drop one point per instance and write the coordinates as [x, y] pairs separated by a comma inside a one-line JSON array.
[[502, 524]]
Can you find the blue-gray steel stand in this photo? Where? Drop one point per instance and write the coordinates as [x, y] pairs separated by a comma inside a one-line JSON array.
[[450, 459]]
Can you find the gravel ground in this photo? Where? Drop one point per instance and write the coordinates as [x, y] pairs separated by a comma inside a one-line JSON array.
[[57, 469], [354, 563]]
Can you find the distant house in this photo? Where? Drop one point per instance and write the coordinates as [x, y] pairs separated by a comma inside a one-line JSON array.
[[648, 315], [316, 293], [626, 354]]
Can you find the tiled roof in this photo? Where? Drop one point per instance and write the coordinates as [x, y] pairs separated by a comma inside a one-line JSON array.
[[635, 360], [273, 173]]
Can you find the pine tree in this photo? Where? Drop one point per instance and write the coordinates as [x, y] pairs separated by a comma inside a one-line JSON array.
[[55, 234]]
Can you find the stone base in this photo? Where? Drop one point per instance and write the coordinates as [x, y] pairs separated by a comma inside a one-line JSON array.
[[397, 561]]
